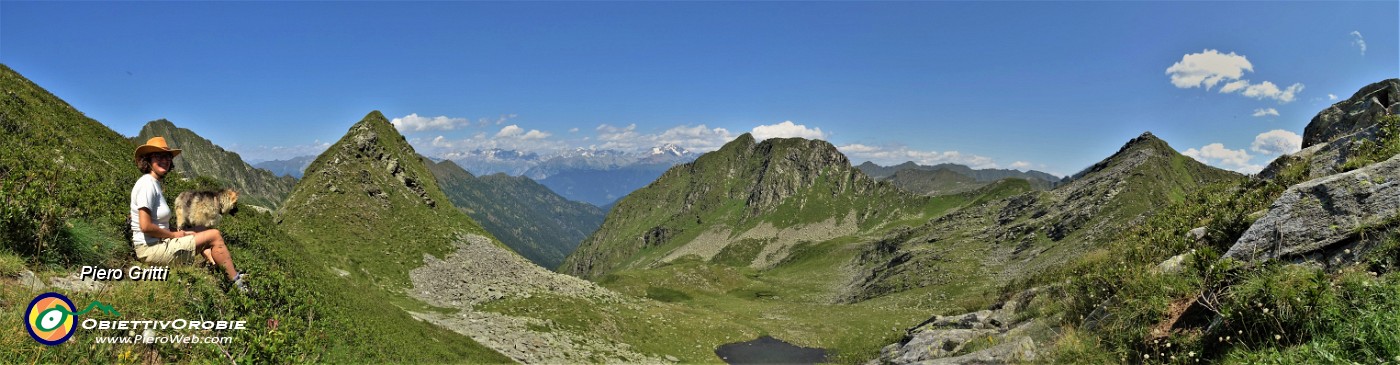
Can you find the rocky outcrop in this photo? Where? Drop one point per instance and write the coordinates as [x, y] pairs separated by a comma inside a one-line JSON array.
[[1321, 219], [950, 339], [1355, 114]]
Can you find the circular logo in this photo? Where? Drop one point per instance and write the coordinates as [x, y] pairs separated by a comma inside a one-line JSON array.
[[50, 318]]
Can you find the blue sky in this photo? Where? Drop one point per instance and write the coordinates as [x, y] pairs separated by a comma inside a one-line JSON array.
[[1053, 86]]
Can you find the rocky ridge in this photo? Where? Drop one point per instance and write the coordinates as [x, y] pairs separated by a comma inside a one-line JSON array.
[[1342, 132], [1031, 230], [1355, 114]]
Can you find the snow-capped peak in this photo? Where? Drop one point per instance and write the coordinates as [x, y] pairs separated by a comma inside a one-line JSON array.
[[669, 149]]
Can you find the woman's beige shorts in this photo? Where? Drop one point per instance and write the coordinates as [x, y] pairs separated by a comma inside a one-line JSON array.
[[168, 250]]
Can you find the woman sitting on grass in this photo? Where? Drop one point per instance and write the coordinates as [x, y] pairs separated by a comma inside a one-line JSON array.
[[155, 243]]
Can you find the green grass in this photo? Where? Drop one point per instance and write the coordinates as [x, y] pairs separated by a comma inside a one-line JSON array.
[[11, 264], [64, 185], [724, 304], [1273, 313], [320, 317]]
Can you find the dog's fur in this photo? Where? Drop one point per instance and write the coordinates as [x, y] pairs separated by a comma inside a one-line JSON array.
[[203, 209]]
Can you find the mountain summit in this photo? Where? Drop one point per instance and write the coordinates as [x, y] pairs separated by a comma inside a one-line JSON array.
[[770, 195], [369, 204]]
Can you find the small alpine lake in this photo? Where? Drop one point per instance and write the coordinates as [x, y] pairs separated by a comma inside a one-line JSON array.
[[769, 350]]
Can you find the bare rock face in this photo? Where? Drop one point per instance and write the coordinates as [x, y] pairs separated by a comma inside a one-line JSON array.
[[1355, 114], [1320, 219], [948, 339]]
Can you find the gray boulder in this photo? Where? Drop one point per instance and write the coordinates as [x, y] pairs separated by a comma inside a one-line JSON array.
[[29, 280], [1315, 220], [1355, 114], [953, 339]]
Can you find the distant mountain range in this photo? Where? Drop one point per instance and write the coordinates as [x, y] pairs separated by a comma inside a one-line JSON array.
[[948, 178], [594, 176], [294, 167], [526, 216], [201, 156]]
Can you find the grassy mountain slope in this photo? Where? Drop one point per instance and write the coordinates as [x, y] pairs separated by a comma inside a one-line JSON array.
[[725, 195], [797, 184], [526, 216], [369, 205], [200, 156], [63, 177], [296, 312], [1004, 239], [368, 209], [1117, 302], [935, 182]]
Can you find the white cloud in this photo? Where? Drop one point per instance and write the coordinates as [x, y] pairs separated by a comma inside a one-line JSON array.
[[1359, 41], [1277, 142], [858, 148], [415, 123], [1020, 165], [698, 138], [510, 131], [515, 132], [1217, 154], [1210, 67], [618, 137], [1234, 86], [1267, 90], [893, 155], [1265, 112], [787, 129], [1331, 96], [573, 130]]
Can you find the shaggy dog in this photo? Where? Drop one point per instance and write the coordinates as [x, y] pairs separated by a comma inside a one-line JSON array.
[[202, 209]]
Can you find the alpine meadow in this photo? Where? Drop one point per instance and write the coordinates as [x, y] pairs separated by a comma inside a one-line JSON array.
[[656, 183]]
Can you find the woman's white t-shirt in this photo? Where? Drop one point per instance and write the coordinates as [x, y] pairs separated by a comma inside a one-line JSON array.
[[148, 194]]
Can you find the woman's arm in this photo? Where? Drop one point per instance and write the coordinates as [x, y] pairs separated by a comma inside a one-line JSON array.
[[150, 229]]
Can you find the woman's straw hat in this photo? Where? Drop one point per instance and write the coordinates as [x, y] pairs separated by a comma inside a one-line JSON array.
[[153, 145]]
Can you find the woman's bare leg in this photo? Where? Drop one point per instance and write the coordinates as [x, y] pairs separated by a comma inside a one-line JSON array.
[[208, 253], [212, 242]]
